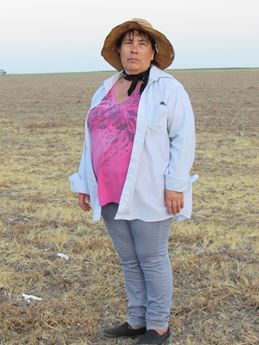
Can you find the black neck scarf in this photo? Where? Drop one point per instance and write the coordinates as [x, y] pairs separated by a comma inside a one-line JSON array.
[[134, 80]]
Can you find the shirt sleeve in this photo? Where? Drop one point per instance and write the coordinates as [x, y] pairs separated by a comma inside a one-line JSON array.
[[78, 181], [181, 129]]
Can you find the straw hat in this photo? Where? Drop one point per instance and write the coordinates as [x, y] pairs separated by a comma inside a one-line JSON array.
[[165, 52]]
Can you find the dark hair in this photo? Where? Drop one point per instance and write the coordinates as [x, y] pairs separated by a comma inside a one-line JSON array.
[[131, 31]]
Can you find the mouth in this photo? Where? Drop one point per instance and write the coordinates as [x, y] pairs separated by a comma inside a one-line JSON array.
[[133, 60]]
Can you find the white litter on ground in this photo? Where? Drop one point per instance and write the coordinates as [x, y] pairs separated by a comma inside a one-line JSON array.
[[28, 298], [63, 256]]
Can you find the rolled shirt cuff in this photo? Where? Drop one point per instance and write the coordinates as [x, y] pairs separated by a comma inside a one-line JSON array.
[[179, 185], [78, 184]]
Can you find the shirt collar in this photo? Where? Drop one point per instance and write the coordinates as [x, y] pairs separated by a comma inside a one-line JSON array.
[[154, 75]]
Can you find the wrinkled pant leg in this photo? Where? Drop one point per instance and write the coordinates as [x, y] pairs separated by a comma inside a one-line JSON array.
[[151, 244], [123, 243]]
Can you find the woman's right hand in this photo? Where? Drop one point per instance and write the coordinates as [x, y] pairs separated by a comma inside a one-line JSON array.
[[84, 201]]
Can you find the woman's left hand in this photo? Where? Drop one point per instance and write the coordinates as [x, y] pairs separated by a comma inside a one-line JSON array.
[[174, 201]]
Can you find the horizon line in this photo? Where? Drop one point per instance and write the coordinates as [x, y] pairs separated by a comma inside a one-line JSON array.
[[110, 71]]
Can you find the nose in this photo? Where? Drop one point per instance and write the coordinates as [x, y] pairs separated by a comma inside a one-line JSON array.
[[134, 47]]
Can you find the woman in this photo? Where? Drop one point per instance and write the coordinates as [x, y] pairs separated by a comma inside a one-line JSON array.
[[137, 155]]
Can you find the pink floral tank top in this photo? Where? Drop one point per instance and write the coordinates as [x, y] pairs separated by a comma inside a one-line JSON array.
[[112, 126]]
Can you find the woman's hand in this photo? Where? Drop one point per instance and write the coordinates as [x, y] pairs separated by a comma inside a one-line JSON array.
[[174, 201], [84, 201]]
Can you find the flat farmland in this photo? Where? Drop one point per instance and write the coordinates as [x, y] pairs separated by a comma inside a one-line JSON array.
[[214, 255]]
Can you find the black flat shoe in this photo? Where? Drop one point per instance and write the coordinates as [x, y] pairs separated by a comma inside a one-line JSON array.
[[152, 337], [123, 330]]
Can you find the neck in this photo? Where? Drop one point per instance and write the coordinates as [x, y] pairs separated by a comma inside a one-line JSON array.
[[134, 73], [135, 78]]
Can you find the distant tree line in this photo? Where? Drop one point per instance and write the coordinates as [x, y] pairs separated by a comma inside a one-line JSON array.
[[2, 72]]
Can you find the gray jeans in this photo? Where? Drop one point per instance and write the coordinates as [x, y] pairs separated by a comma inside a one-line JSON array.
[[142, 248]]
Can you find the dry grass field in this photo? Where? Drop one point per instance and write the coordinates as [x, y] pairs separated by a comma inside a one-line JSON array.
[[214, 256]]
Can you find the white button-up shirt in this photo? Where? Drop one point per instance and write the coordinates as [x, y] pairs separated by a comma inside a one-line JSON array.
[[162, 153]]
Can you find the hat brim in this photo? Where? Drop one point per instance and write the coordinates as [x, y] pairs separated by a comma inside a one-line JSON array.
[[163, 57]]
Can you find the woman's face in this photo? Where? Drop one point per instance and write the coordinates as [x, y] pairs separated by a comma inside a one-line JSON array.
[[136, 52]]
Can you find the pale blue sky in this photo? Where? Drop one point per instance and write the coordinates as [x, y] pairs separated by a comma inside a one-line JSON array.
[[39, 36]]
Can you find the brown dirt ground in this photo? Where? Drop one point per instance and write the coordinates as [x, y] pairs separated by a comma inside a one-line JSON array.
[[214, 256]]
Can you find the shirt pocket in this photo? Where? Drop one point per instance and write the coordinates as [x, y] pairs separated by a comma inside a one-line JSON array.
[[157, 118]]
